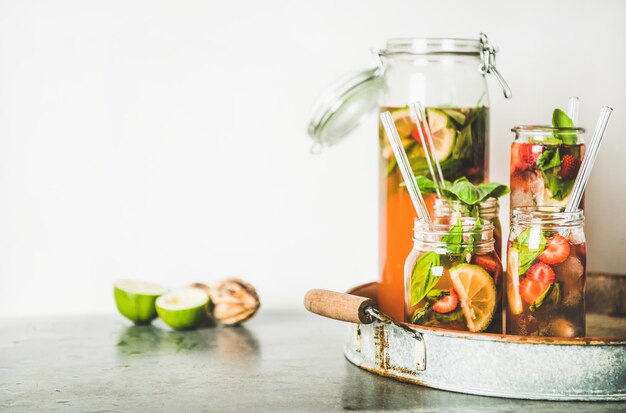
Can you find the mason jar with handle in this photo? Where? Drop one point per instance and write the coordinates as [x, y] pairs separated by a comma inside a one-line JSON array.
[[447, 76]]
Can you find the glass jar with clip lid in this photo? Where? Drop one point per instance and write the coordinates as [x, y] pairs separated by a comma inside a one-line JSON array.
[[448, 76]]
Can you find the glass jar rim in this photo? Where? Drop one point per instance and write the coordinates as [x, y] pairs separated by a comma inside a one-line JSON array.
[[487, 209], [547, 215], [545, 130], [487, 203], [442, 229], [431, 46]]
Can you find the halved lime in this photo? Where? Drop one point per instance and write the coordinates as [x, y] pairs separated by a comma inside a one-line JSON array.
[[443, 137], [477, 295], [135, 300], [514, 298], [183, 309]]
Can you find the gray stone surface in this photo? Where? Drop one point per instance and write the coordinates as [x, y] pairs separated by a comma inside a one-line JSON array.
[[280, 361]]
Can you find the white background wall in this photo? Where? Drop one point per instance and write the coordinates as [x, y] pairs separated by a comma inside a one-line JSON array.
[[167, 140]]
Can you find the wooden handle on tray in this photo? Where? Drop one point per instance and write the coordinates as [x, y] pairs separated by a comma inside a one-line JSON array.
[[339, 306]]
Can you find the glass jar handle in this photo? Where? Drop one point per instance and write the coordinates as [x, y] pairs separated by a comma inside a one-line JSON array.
[[488, 57], [378, 55]]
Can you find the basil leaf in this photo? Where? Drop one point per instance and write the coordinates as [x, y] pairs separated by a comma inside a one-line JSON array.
[[474, 238], [493, 190], [426, 185], [422, 278], [469, 194], [551, 295], [450, 317], [463, 145], [436, 294], [549, 158], [461, 179], [421, 314], [416, 159], [561, 120], [454, 238], [473, 211], [530, 243], [434, 318], [559, 188], [464, 191]]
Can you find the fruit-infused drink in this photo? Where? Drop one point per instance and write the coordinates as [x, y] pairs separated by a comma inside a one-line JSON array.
[[453, 277], [545, 287], [460, 140], [544, 163]]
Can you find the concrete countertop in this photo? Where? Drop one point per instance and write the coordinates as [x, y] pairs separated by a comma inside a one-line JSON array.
[[280, 361]]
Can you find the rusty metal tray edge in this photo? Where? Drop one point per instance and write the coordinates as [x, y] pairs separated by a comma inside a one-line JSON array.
[[487, 364]]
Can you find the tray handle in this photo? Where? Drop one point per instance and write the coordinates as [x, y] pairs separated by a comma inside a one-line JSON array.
[[339, 306]]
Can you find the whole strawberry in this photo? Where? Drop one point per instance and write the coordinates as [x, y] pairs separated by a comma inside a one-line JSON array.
[[569, 167]]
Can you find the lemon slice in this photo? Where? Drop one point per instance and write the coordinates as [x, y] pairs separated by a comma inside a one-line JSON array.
[[477, 295], [512, 283], [443, 137]]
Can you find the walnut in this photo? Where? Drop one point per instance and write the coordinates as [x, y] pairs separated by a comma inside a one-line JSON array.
[[233, 301]]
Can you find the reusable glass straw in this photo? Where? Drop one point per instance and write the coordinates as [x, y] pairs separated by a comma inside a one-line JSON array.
[[420, 114], [405, 167], [588, 160], [418, 117], [572, 109]]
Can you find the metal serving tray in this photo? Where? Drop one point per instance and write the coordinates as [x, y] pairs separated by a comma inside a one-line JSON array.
[[545, 368]]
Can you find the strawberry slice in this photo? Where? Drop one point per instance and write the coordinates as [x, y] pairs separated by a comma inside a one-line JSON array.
[[416, 134], [530, 290], [542, 273], [447, 303], [557, 250], [490, 265], [524, 155]]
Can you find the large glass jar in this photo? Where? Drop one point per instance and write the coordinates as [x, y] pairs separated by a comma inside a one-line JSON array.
[[453, 277], [448, 77], [544, 164], [545, 288]]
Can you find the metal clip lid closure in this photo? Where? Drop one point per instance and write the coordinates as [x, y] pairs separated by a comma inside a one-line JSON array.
[[488, 56], [351, 99]]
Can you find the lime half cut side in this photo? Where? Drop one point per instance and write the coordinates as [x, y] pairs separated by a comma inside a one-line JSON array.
[[443, 137], [135, 300], [183, 309]]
